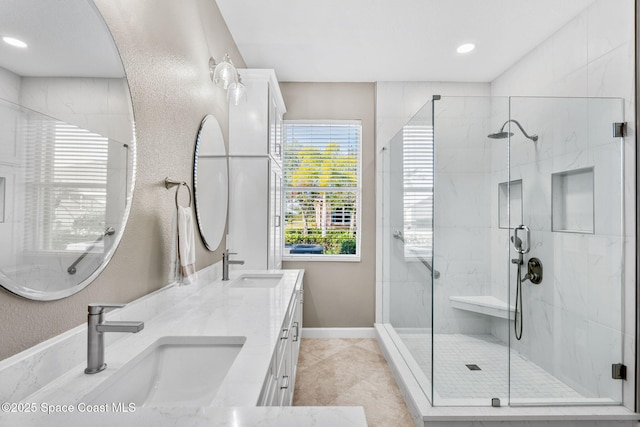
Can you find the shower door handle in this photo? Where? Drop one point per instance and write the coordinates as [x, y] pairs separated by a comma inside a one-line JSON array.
[[517, 242]]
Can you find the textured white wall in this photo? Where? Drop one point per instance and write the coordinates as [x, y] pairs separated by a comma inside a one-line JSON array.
[[165, 46]]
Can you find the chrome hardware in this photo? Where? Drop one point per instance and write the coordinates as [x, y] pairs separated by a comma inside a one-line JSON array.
[[517, 242], [285, 380], [225, 263], [285, 334], [295, 336], [96, 327]]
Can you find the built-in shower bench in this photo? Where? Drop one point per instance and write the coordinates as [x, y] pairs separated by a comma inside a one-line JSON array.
[[484, 304]]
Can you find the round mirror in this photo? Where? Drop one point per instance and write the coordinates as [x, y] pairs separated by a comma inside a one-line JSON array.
[[211, 182], [67, 151]]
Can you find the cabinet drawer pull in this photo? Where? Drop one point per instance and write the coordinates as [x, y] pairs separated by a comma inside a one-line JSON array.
[[295, 336], [285, 334], [285, 382]]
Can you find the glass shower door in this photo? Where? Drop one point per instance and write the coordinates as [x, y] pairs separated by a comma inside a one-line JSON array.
[[407, 244], [566, 167], [471, 314]]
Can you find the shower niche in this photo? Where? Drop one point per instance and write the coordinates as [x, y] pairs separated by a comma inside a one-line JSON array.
[[509, 203], [572, 201]]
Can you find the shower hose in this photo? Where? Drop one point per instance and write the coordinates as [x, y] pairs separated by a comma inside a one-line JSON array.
[[517, 323]]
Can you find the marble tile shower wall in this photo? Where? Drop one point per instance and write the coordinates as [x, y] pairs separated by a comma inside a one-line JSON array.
[[461, 210], [572, 320], [577, 328]]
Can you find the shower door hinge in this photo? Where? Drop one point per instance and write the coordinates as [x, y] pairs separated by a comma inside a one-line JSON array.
[[618, 371], [619, 129]]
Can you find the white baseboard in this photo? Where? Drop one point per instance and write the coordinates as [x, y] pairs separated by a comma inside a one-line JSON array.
[[338, 333]]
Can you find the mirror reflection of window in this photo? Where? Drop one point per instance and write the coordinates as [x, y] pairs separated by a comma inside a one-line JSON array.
[[65, 187]]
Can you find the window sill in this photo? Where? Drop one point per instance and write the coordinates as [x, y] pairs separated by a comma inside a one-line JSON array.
[[321, 258]]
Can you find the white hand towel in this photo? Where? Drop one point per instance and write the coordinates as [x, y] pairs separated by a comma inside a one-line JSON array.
[[186, 245], [182, 261]]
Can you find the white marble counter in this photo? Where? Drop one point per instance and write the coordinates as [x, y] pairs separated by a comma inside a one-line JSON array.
[[53, 372]]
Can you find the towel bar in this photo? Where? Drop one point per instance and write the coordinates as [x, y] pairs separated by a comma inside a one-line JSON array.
[[168, 183]]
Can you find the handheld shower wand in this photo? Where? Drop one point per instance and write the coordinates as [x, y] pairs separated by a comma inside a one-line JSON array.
[[534, 273]]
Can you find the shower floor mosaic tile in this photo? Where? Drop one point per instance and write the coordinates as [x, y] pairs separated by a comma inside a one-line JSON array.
[[455, 380]]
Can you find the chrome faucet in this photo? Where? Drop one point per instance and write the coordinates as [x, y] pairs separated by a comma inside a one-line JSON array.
[[225, 263], [96, 327]]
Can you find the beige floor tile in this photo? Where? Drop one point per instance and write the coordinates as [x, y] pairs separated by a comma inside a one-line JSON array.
[[368, 344], [322, 347], [350, 373]]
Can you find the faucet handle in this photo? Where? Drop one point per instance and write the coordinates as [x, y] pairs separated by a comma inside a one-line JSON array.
[[103, 307]]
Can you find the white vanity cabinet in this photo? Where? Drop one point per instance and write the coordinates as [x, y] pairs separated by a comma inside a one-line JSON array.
[[280, 381], [256, 222]]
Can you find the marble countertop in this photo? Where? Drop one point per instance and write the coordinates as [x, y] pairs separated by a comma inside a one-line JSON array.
[[52, 373]]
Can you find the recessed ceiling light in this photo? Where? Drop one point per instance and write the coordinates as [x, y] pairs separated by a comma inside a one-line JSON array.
[[465, 48], [14, 42]]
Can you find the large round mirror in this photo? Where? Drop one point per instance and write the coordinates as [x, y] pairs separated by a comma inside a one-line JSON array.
[[211, 182], [67, 152]]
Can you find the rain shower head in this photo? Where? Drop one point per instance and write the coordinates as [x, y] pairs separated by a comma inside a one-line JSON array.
[[502, 134]]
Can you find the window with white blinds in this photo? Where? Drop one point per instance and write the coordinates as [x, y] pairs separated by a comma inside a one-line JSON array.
[[66, 186], [418, 190], [322, 189]]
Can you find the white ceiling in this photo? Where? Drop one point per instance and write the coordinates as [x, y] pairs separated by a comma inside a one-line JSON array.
[[391, 40], [66, 39]]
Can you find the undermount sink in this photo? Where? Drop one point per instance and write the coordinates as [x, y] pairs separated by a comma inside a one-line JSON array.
[[175, 371], [266, 280]]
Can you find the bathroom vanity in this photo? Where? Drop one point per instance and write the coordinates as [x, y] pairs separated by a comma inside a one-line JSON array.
[[215, 352]]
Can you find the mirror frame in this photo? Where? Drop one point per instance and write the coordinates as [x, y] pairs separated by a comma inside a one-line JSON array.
[[210, 239]]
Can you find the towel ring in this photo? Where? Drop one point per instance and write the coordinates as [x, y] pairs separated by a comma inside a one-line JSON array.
[[168, 183]]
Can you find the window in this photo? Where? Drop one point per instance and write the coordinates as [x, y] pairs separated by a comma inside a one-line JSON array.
[[322, 189], [418, 172], [66, 186]]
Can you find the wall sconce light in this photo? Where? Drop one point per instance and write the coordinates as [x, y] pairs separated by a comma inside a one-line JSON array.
[[225, 75], [237, 92]]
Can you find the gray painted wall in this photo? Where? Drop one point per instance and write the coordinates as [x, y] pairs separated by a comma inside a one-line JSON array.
[[341, 294], [165, 46]]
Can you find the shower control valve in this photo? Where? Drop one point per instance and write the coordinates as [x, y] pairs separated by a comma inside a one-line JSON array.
[[534, 271]]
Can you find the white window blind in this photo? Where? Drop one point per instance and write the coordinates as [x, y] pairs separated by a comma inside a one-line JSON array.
[[66, 186], [418, 189], [321, 170]]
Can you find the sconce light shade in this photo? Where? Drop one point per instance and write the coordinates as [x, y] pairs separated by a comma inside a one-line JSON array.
[[237, 92], [225, 73]]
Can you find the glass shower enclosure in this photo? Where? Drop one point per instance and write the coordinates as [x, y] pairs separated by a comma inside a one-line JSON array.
[[502, 249]]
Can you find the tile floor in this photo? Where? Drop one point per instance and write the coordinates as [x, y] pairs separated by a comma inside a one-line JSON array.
[[454, 380], [349, 372]]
